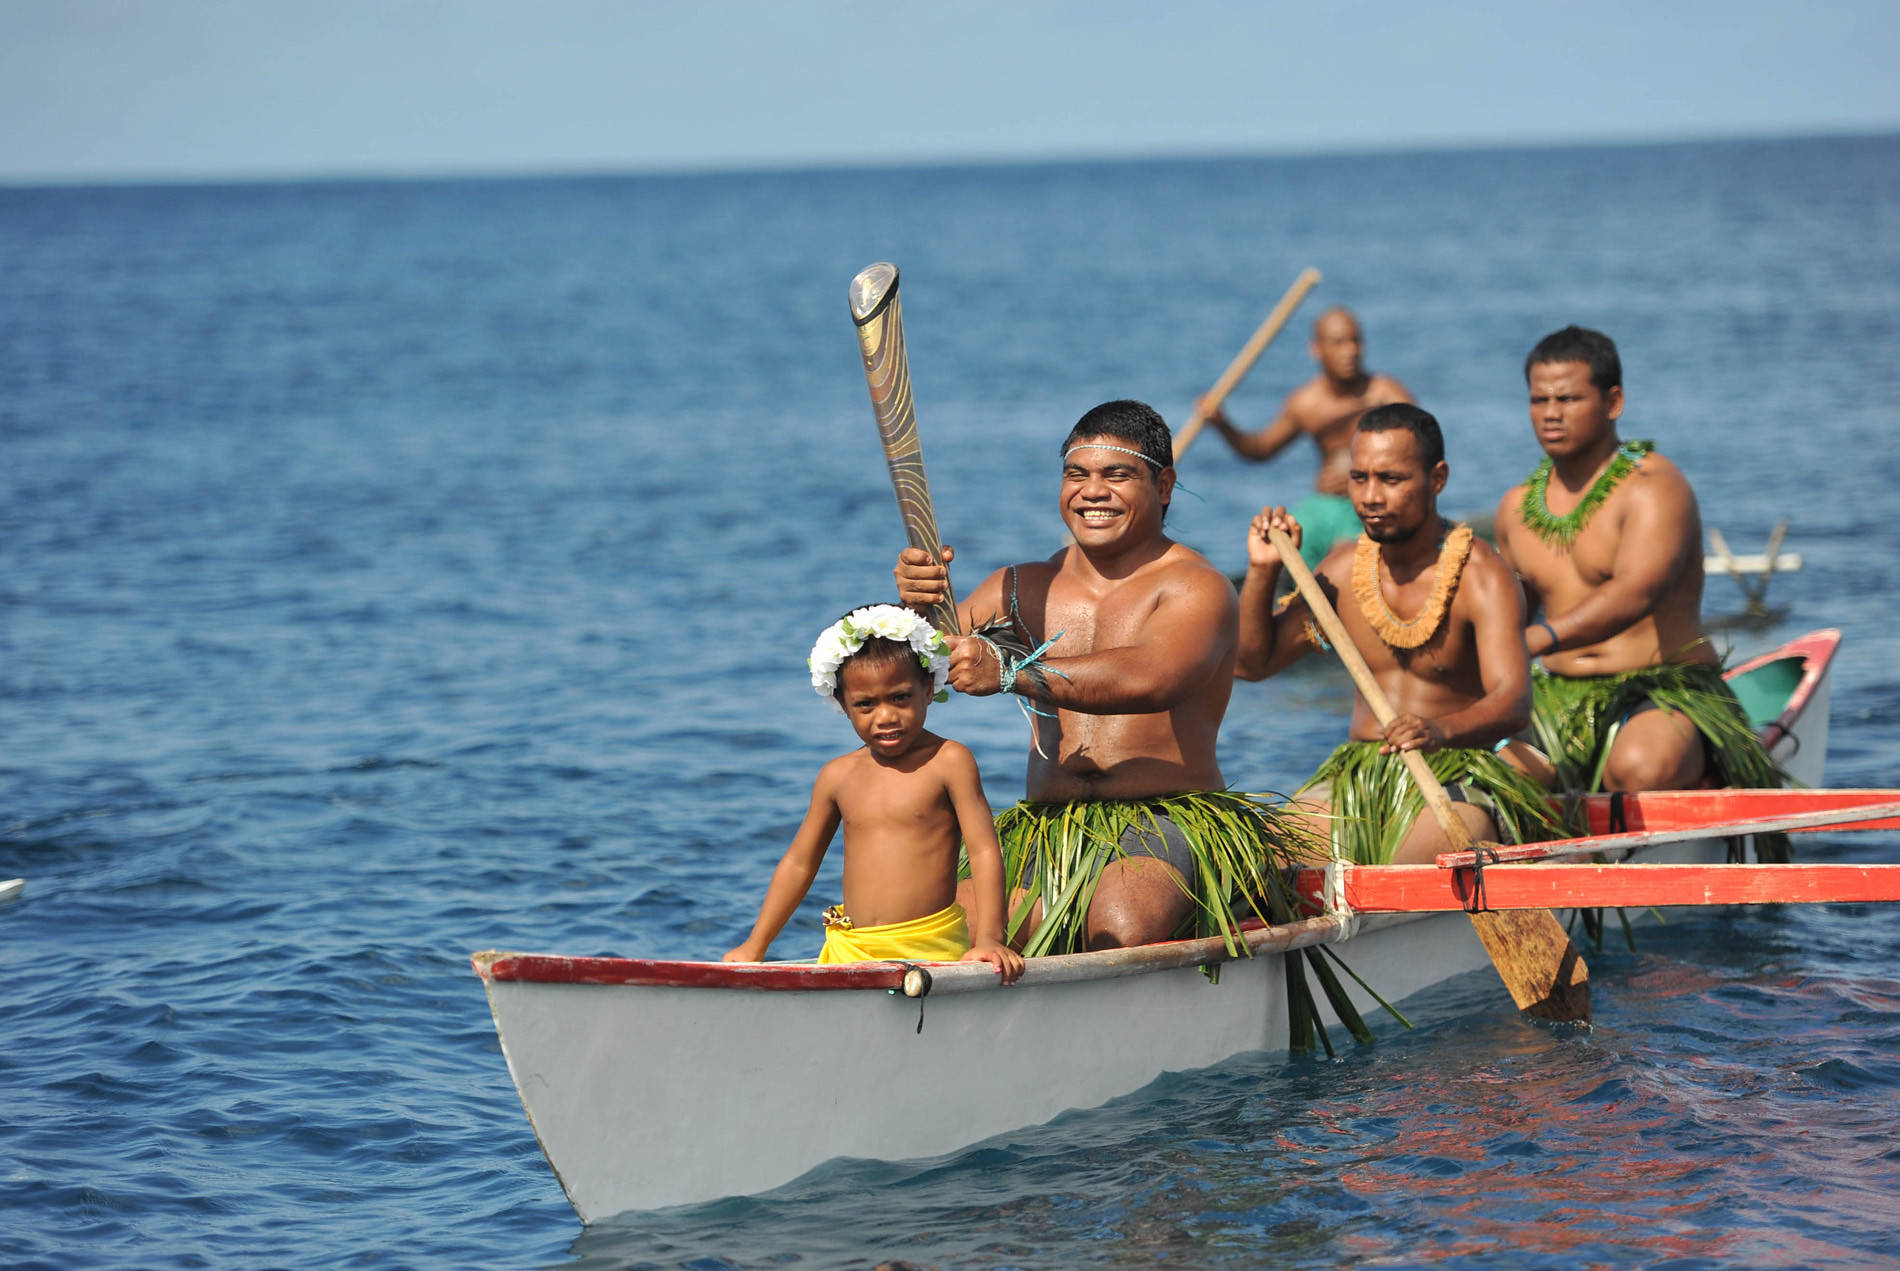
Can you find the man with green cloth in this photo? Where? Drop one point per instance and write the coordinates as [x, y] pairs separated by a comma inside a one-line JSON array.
[[1607, 537], [1438, 618], [1325, 408]]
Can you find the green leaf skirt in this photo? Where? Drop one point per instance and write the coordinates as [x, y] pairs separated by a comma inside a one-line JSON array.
[[1054, 854], [1374, 800], [1575, 719]]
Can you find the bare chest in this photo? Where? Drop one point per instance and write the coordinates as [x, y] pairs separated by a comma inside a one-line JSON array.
[[877, 797], [1588, 562], [1080, 621]]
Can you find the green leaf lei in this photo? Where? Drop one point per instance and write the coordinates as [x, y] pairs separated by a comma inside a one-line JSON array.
[[1563, 530]]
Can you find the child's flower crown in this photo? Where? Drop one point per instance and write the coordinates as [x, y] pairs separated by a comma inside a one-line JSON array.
[[892, 622]]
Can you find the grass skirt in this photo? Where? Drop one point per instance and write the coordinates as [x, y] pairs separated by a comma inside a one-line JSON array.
[[1374, 799], [1575, 720], [1055, 853]]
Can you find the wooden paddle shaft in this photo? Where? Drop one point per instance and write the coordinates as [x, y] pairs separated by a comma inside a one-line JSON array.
[[880, 321], [1428, 785], [1243, 361]]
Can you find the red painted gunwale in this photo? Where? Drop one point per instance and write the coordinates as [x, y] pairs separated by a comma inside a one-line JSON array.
[[1427, 888], [1686, 809], [549, 968], [546, 968], [1817, 648], [1831, 815]]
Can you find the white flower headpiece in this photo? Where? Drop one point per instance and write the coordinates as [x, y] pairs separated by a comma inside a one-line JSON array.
[[892, 622]]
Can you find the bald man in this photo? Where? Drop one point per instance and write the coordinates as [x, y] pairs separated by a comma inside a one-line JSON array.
[[1324, 408]]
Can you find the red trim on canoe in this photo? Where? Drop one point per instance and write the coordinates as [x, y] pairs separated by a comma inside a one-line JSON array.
[[1816, 648], [553, 968], [1687, 809], [1426, 888]]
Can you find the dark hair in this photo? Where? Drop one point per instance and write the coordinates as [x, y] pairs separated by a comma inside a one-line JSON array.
[[881, 651], [1137, 423], [1580, 344], [1404, 415]]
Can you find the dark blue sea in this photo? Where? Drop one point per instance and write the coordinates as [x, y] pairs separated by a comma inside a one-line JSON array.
[[392, 570]]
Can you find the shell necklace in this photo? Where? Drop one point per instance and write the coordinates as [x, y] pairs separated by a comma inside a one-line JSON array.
[[1399, 632]]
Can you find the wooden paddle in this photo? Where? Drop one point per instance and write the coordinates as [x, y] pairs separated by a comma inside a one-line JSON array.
[[1243, 361], [1542, 969], [880, 319]]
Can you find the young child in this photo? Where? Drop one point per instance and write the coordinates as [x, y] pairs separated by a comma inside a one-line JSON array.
[[906, 798]]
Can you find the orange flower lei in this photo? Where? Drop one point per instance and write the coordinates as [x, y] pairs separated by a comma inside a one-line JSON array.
[[1394, 630]]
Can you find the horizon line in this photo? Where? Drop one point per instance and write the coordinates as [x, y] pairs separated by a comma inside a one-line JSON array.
[[946, 161]]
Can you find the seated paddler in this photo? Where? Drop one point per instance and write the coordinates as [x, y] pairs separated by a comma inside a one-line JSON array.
[[1120, 650], [906, 800], [1439, 618], [1325, 408], [1607, 537]]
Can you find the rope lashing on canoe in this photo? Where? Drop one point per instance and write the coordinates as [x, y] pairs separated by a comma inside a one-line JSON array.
[[1475, 902], [1592, 916], [1012, 659], [1333, 896], [916, 984]]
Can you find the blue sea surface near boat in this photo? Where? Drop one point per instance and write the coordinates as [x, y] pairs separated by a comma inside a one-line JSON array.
[[395, 569]]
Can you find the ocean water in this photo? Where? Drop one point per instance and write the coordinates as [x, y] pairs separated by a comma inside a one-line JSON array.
[[394, 570]]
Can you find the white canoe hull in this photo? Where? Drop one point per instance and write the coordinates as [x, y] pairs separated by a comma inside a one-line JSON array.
[[653, 1083], [649, 1096]]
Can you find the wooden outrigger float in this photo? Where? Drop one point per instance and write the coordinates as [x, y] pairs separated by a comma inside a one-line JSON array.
[[653, 1083]]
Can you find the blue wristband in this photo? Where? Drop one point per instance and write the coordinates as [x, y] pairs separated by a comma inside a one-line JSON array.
[[1553, 635]]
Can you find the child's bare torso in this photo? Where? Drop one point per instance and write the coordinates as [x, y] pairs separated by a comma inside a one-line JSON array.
[[900, 836]]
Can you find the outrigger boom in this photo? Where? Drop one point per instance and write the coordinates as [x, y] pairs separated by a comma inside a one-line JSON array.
[[1435, 889], [1841, 810]]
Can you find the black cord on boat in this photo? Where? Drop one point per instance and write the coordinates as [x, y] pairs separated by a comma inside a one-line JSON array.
[[1619, 824], [1475, 902], [916, 983]]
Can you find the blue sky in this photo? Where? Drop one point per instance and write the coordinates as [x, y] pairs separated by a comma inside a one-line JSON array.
[[131, 89]]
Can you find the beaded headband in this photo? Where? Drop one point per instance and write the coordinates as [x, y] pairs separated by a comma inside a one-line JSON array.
[[1097, 445]]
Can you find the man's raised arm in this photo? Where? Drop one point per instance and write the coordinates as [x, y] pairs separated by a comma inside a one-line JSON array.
[[1269, 641], [1264, 444]]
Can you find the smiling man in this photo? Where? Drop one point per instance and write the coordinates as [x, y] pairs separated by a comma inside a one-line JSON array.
[[1607, 537], [1122, 649], [1439, 619]]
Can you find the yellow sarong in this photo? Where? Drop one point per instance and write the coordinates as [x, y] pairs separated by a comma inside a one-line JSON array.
[[940, 937]]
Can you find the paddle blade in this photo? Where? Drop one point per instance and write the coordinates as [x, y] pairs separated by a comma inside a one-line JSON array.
[[880, 321], [1538, 964]]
